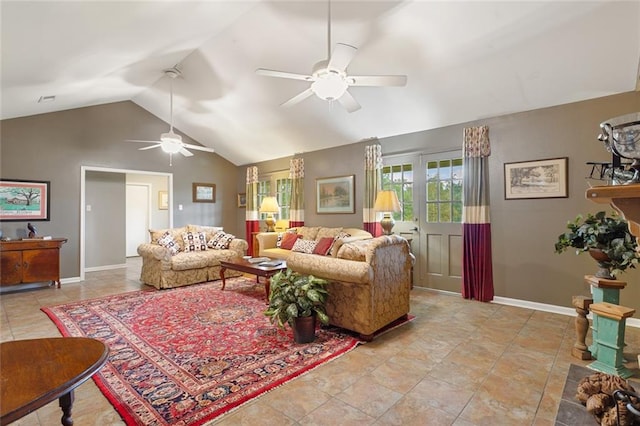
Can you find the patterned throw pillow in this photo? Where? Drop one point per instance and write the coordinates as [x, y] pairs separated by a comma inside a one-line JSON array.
[[280, 235], [323, 246], [288, 240], [194, 241], [221, 241], [304, 246], [168, 242]]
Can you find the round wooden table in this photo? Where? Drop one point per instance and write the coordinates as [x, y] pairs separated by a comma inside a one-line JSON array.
[[37, 371]]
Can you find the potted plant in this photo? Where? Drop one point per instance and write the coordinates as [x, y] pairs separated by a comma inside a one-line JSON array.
[[297, 300], [606, 238]]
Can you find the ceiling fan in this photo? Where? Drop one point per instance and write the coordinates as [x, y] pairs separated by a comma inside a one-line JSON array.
[[329, 78], [170, 142]]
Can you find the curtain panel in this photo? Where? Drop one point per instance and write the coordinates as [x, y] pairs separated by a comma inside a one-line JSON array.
[[252, 218], [372, 185], [477, 270], [296, 211]]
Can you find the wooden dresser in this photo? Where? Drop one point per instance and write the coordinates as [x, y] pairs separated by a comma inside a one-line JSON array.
[[30, 261]]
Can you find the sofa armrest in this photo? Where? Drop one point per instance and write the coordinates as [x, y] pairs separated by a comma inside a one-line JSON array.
[[154, 252], [330, 268], [239, 245], [267, 240]]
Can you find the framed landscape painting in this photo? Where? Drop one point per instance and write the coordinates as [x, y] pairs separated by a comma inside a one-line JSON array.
[[536, 179], [204, 193], [335, 194], [24, 200]]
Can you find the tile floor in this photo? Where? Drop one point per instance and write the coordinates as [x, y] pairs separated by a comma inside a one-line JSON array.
[[458, 363]]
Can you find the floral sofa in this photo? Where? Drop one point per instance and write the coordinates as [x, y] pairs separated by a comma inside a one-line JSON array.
[[271, 243], [369, 282], [187, 255]]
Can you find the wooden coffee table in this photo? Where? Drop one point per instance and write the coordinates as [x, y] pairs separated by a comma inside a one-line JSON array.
[[243, 265], [37, 371]]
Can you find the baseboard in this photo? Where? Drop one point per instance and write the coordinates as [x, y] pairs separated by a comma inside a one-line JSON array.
[[544, 307], [105, 267]]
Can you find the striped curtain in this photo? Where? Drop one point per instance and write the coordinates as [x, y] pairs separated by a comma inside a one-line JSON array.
[[477, 270], [252, 216], [296, 173], [372, 185]]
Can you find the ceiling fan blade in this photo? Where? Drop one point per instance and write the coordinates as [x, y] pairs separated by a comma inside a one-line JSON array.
[[186, 153], [377, 80], [349, 102], [341, 57], [298, 98], [198, 147], [149, 147], [134, 140], [283, 74]]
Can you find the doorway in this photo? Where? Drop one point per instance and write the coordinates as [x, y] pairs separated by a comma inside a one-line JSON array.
[[138, 216], [139, 176]]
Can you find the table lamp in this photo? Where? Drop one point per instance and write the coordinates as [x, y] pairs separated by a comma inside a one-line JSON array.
[[270, 205], [387, 202]]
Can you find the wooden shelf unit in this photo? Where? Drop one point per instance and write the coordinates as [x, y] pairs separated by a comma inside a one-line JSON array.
[[30, 261], [624, 198]]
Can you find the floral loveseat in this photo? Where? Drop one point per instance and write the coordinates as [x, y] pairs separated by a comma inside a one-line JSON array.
[[369, 282], [187, 255], [273, 244]]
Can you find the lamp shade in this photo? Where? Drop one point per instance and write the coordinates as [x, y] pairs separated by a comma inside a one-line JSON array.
[[387, 201], [269, 205]]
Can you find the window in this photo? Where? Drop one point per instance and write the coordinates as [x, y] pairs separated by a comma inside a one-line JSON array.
[[282, 184], [399, 178], [444, 190]]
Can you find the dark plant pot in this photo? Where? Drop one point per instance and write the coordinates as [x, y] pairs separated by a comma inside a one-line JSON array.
[[604, 265], [304, 329]]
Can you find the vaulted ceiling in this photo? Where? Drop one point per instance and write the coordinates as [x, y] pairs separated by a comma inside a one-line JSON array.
[[465, 60]]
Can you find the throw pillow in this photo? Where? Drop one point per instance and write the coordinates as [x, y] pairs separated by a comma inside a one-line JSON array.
[[279, 240], [323, 246], [168, 242], [288, 240], [221, 241], [304, 246], [194, 241]]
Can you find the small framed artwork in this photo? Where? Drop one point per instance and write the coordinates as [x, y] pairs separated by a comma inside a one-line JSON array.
[[204, 193], [536, 179], [22, 200], [242, 199], [163, 200], [335, 194]]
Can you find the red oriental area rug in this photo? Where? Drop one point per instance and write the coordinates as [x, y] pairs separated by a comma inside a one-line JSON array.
[[188, 355]]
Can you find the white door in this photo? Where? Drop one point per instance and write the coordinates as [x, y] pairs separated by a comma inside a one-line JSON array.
[[429, 190], [441, 221], [138, 212]]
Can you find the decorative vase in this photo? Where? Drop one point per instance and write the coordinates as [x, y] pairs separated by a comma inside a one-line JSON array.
[[604, 265], [304, 329]]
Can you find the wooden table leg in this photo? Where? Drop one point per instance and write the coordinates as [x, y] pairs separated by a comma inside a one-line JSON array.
[[66, 401], [222, 276], [267, 287]]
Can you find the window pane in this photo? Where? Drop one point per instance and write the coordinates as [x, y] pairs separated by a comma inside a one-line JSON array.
[[407, 212], [432, 191], [445, 191], [456, 190], [445, 212], [432, 212], [456, 214]]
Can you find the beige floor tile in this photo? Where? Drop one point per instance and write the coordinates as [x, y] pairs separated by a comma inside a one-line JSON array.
[[459, 362]]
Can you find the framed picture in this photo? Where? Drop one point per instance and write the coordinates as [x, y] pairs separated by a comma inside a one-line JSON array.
[[242, 199], [204, 193], [335, 194], [163, 200], [536, 179], [24, 200]]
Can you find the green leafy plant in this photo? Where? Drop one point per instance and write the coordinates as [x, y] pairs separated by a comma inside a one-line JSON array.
[[610, 234], [295, 295]]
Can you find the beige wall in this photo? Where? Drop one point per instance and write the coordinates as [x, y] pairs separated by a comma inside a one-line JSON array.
[[523, 231], [54, 146]]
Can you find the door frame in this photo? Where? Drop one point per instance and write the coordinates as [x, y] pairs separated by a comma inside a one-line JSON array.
[[149, 204], [83, 176]]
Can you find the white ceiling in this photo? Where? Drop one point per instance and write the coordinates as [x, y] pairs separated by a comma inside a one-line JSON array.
[[464, 61]]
